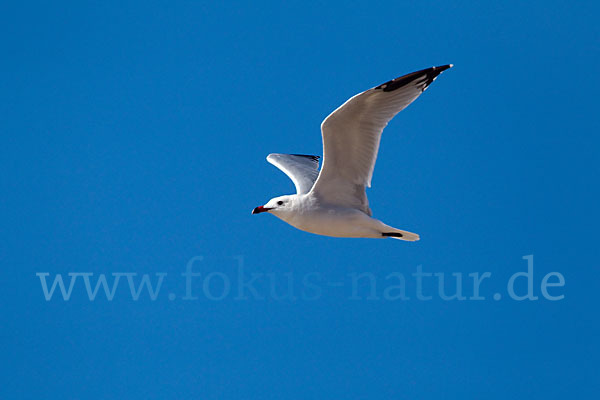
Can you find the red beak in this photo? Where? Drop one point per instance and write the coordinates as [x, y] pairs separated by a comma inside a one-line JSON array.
[[260, 209]]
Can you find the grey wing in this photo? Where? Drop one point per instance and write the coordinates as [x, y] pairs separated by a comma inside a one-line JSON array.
[[351, 136], [301, 169]]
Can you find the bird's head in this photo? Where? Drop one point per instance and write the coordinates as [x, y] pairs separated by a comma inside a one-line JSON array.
[[278, 205]]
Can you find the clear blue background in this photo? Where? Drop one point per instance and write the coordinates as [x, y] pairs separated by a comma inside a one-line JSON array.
[[134, 136]]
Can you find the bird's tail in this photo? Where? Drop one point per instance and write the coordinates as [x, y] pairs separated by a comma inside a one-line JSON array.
[[388, 231], [401, 235]]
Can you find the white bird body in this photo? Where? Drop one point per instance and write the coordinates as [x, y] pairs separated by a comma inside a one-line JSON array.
[[333, 202], [308, 213]]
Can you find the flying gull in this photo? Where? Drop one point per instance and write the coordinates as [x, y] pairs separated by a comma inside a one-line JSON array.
[[333, 202]]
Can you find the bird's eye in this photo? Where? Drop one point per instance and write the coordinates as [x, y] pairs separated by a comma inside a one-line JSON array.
[[279, 202]]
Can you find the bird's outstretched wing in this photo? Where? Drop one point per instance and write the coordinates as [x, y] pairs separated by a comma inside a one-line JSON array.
[[301, 169], [351, 137]]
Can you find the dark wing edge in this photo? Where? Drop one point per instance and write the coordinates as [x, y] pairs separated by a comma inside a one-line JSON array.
[[428, 75], [310, 157]]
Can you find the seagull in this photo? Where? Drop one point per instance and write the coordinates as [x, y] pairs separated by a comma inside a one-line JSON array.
[[333, 202]]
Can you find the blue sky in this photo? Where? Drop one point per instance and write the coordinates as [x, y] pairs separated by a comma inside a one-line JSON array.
[[134, 138]]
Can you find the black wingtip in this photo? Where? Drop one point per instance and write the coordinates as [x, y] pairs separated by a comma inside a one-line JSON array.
[[429, 75], [314, 158]]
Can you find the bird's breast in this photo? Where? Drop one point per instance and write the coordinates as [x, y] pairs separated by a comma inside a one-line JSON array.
[[330, 221]]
